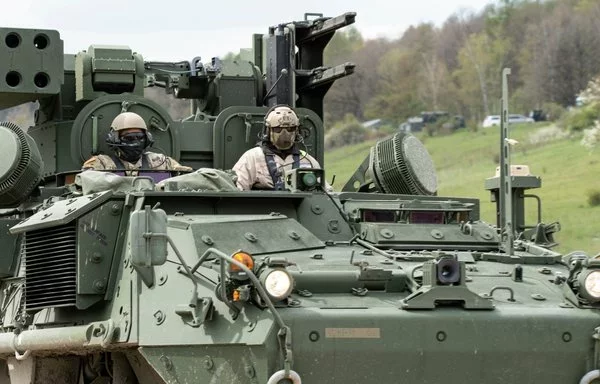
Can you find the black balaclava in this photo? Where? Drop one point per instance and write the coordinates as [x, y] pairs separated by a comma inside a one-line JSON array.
[[131, 150]]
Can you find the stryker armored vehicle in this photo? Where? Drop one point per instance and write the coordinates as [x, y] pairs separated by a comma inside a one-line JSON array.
[[126, 279]]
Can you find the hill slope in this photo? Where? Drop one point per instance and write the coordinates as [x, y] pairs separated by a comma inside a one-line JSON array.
[[465, 159]]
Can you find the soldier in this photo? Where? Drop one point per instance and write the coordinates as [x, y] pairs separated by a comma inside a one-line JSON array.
[[129, 138], [261, 167]]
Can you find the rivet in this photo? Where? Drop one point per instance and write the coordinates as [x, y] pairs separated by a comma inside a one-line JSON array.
[[316, 209], [115, 209], [207, 240], [386, 233], [293, 235], [567, 337], [159, 317], [538, 297], [441, 336], [294, 303], [249, 370], [333, 226], [251, 237], [96, 257], [166, 362], [304, 293], [314, 336], [99, 285], [208, 363]]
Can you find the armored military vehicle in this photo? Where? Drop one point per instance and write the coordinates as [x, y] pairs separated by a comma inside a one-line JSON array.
[[123, 279]]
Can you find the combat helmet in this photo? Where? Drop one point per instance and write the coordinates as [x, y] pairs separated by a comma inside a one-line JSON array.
[[128, 120], [281, 116]]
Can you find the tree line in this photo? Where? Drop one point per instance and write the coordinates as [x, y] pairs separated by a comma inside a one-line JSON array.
[[552, 47]]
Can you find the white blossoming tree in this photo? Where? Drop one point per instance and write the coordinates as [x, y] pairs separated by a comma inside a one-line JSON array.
[[591, 137]]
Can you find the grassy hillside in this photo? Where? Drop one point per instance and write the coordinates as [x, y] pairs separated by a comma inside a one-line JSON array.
[[465, 159]]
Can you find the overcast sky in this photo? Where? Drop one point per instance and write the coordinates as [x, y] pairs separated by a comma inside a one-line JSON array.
[[181, 29]]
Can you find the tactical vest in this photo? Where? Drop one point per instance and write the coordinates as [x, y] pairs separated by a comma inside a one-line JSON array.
[[275, 171], [156, 176]]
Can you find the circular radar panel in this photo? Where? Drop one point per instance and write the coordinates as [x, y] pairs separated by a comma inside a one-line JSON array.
[[10, 147], [402, 165], [420, 165], [21, 165]]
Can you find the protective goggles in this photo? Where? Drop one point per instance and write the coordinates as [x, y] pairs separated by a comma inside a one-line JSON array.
[[133, 137], [280, 129]]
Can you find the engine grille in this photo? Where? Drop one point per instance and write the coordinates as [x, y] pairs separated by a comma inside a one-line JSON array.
[[50, 267]]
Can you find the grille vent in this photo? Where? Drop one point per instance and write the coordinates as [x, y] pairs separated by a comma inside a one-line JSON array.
[[402, 165], [51, 267]]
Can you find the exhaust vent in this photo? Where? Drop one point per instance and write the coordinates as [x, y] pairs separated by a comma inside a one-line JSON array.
[[51, 267]]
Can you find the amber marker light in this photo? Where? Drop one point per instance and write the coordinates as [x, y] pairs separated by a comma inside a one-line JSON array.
[[243, 258]]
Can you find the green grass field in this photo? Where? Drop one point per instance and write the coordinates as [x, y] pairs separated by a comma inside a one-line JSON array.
[[465, 159]]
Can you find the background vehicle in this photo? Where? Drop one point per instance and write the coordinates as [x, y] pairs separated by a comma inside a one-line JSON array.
[[114, 279], [494, 120]]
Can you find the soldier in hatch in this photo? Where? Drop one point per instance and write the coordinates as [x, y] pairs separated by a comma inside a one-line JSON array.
[[129, 138], [262, 167]]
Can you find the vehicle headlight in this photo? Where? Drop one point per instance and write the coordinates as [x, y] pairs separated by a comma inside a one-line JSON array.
[[278, 283], [590, 285]]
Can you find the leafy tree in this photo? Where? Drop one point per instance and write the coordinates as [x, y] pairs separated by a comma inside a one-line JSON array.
[[396, 99], [480, 65], [342, 45]]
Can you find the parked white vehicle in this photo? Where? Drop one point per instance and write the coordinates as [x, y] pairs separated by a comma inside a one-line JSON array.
[[494, 120]]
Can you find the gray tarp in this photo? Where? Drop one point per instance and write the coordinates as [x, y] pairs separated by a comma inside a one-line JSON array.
[[203, 179]]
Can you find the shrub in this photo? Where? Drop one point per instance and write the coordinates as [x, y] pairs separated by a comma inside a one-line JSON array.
[[592, 92], [547, 134], [347, 132], [442, 126], [591, 137], [594, 198], [553, 111], [579, 119]]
